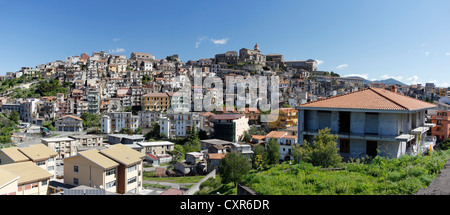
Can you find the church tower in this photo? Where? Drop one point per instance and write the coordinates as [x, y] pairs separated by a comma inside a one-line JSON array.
[[256, 48]]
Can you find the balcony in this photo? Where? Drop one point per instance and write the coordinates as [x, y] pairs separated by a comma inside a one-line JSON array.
[[361, 136]]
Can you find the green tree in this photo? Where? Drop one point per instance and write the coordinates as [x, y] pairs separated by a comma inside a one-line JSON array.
[[202, 135], [246, 137], [322, 153], [273, 152], [154, 133], [192, 143], [14, 116], [90, 120], [259, 157], [233, 167]]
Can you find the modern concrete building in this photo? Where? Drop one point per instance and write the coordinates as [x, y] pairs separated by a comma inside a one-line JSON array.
[[370, 122], [229, 127]]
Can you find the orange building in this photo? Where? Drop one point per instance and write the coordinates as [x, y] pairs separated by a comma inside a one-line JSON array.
[[442, 128]]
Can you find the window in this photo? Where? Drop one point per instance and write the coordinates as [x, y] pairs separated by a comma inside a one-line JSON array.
[[111, 184], [344, 146], [75, 168], [75, 181], [111, 172], [44, 183], [40, 163], [132, 180], [50, 168], [131, 168]]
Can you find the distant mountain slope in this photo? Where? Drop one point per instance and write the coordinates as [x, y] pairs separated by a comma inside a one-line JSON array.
[[389, 81]]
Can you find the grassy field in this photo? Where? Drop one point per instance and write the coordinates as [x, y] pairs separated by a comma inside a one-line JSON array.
[[380, 176], [185, 179]]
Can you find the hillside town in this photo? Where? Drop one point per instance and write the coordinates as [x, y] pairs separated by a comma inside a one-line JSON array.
[[98, 123]]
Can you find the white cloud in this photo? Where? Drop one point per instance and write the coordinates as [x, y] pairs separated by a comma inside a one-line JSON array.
[[365, 76], [117, 50], [219, 41], [447, 54], [342, 66], [398, 78], [427, 53], [319, 62], [413, 80], [116, 39], [444, 85], [199, 40]]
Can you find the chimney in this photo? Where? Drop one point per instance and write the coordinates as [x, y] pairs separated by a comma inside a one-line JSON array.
[[394, 89]]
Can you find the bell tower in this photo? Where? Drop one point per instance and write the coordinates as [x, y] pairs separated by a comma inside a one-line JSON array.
[[256, 48]]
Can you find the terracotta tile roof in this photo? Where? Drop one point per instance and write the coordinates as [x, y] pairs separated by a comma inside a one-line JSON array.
[[74, 117], [258, 137], [216, 156], [276, 134], [226, 116], [290, 137], [172, 191], [371, 98]]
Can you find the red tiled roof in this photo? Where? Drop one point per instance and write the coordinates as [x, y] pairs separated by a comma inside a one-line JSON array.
[[276, 134], [226, 116], [216, 156], [371, 98], [74, 117], [258, 137], [172, 191]]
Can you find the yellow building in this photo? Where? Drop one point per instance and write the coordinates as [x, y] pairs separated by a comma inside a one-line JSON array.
[[24, 178], [287, 117], [155, 102]]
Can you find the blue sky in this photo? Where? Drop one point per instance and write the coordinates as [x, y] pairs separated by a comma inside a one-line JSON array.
[[405, 39]]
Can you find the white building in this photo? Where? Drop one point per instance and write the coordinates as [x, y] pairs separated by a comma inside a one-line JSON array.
[[180, 124], [115, 121], [157, 148], [285, 141]]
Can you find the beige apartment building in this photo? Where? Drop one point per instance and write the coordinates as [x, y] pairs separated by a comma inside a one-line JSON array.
[[24, 178], [92, 169], [116, 169], [39, 154]]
